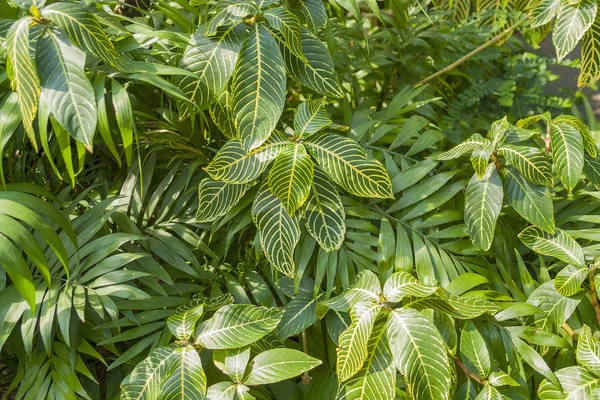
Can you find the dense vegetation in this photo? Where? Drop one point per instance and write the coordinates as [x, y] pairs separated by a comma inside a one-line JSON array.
[[298, 199]]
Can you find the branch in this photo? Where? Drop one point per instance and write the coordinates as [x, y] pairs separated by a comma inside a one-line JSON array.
[[467, 372], [484, 46], [594, 294]]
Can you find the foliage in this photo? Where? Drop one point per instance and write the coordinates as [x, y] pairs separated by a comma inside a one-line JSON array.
[[280, 200]]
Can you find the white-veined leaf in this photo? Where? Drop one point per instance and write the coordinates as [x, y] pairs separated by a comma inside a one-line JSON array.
[[559, 245], [216, 198], [590, 55], [460, 307], [420, 354], [574, 19], [543, 12], [298, 314], [366, 288], [144, 382], [589, 144], [229, 12], [500, 378], [183, 321], [222, 391], [258, 88], [278, 364], [401, 284], [288, 25], [233, 362], [187, 380], [279, 232], [474, 351], [567, 153], [220, 112], [531, 163], [489, 393], [311, 117], [315, 14], [588, 350], [237, 325], [578, 383], [291, 177], [474, 142], [347, 164], [480, 159], [568, 281]]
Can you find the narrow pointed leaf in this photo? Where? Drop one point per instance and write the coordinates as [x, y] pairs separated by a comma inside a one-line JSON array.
[[567, 153]]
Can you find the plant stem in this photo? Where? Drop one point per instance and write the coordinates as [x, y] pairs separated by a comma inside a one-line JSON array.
[[484, 46], [594, 295], [467, 372], [569, 330], [305, 376]]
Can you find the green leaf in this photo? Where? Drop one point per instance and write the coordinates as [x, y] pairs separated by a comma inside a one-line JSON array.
[[258, 88], [352, 343], [237, 325], [233, 362], [480, 159], [559, 245], [315, 14], [474, 351], [377, 378], [211, 60], [531, 163], [65, 88], [146, 379], [474, 142], [573, 20], [578, 383], [489, 393], [277, 365], [298, 314], [460, 307], [347, 164], [288, 25], [187, 379], [183, 321], [483, 202], [317, 71], [568, 281], [233, 165], [401, 284], [543, 12], [365, 289], [590, 55], [591, 169], [220, 112], [22, 73], [500, 378], [531, 201], [325, 213], [230, 13], [222, 391], [531, 357], [124, 117], [567, 153], [588, 350], [589, 143], [310, 118], [279, 232], [420, 355], [17, 269], [291, 177], [216, 198]]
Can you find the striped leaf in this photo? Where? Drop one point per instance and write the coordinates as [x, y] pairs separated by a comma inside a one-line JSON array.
[[543, 12], [288, 25], [291, 177], [145, 381], [233, 362], [237, 325], [317, 71], [588, 350], [222, 391], [347, 164], [578, 383], [183, 321], [420, 355], [476, 141], [229, 13], [483, 201], [567, 153], [559, 245], [187, 380], [377, 378], [216, 198], [489, 393], [480, 159], [531, 163], [310, 118], [276, 365], [211, 60], [591, 169], [66, 89], [473, 350], [233, 165], [574, 19], [460, 307], [298, 314], [84, 31], [568, 281], [590, 55], [325, 213], [401, 284], [24, 78], [365, 289], [258, 88], [220, 112], [314, 13], [589, 144], [352, 343], [531, 201], [499, 379], [279, 232]]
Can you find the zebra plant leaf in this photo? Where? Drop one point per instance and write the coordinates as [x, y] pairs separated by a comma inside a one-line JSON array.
[[182, 322], [258, 88], [187, 379], [590, 55], [291, 177], [279, 232], [589, 144], [420, 354], [401, 284], [567, 153], [145, 381], [489, 393], [66, 89], [476, 141], [237, 325], [298, 314], [365, 289], [483, 202], [233, 362], [314, 13], [531, 163], [230, 13], [276, 365], [543, 12], [310, 118], [568, 281], [480, 159], [216, 198], [559, 245], [211, 60], [588, 350], [347, 164], [288, 25], [574, 19], [474, 351], [23, 76], [325, 213]]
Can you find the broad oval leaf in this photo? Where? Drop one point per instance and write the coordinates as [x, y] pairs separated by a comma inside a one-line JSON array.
[[183, 321], [233, 362], [567, 153], [229, 13], [291, 177], [559, 245], [288, 25], [568, 281], [401, 284], [222, 391], [531, 163], [483, 202], [298, 314], [460, 307], [187, 379], [311, 117], [220, 112], [277, 365], [574, 19], [543, 12], [279, 232], [145, 381], [588, 350], [347, 164], [258, 88], [216, 198], [314, 13], [420, 355], [237, 325], [489, 393], [365, 289], [589, 143], [590, 55], [578, 383]]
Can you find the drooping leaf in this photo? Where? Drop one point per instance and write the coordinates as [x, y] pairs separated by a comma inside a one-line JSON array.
[[229, 13], [347, 164], [474, 142], [567, 153], [183, 321], [278, 364], [291, 176], [144, 382], [187, 379], [216, 198], [233, 362], [589, 144], [401, 284], [311, 117], [568, 281], [559, 245], [531, 163], [573, 20]]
